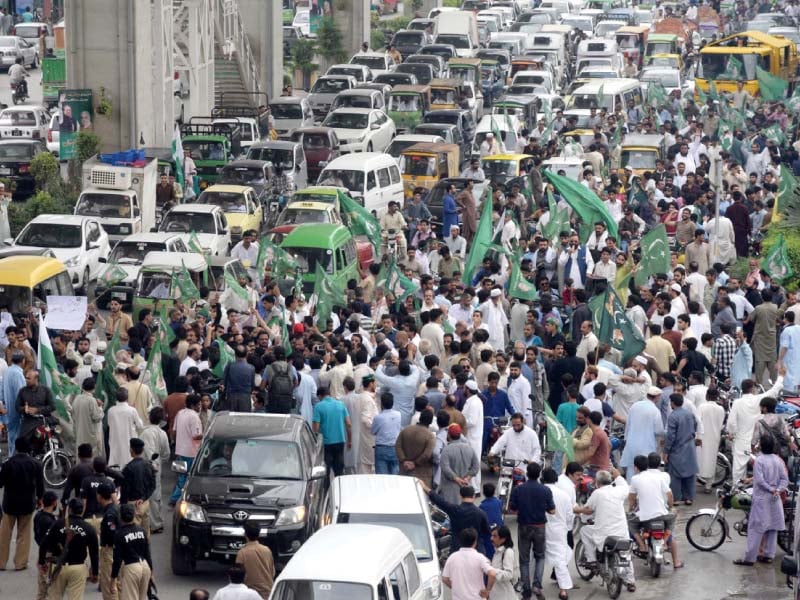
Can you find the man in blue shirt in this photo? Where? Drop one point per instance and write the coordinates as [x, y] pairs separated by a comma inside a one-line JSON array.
[[386, 427], [496, 405], [333, 422], [531, 501]]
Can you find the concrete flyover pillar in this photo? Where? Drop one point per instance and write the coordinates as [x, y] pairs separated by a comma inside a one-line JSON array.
[[352, 18], [263, 21], [110, 45]]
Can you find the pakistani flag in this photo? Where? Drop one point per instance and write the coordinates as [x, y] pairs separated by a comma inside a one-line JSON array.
[[794, 101], [774, 133], [177, 154], [392, 281], [518, 286], [194, 243], [770, 86], [734, 70], [559, 220], [786, 189], [153, 374], [328, 295], [107, 386], [235, 286], [624, 275], [59, 384], [777, 262], [725, 135], [496, 133], [282, 263], [226, 356], [481, 240], [655, 255], [182, 281], [656, 94], [112, 275], [612, 326], [584, 202], [558, 438], [360, 220]]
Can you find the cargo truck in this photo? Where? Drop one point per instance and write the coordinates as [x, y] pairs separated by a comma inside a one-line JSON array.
[[123, 198]]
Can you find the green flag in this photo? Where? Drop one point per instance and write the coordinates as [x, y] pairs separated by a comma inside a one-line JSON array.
[[360, 220], [777, 263], [584, 202], [285, 341], [712, 91], [50, 376], [770, 86], [153, 375], [226, 356], [107, 386], [616, 137], [194, 243], [112, 275], [787, 188], [794, 102], [702, 97], [518, 286], [281, 262], [612, 326], [655, 255], [328, 295], [774, 133], [734, 70], [182, 281], [680, 118], [656, 94], [496, 132], [558, 222], [558, 438], [392, 281], [235, 286], [481, 239], [599, 97]]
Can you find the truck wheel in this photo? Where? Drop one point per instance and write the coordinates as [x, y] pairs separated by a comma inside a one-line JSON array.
[[182, 562]]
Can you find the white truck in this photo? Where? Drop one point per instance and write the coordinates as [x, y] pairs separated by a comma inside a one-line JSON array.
[[459, 28], [122, 198]]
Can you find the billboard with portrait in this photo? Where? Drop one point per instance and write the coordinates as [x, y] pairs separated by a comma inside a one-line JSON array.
[[76, 115]]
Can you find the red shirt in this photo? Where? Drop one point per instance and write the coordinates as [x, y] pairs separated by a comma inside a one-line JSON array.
[[601, 459], [173, 404]]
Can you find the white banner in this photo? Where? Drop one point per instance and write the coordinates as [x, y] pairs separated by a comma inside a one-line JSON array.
[[65, 312]]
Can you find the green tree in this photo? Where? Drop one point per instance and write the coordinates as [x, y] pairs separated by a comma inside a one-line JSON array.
[[330, 41], [45, 170], [303, 58]]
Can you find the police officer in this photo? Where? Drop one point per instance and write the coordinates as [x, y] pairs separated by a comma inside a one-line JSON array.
[[42, 523], [80, 541], [92, 510], [132, 562], [139, 482], [109, 523]]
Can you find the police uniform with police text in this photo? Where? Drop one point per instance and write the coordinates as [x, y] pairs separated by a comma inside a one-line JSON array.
[[71, 578], [132, 562], [138, 485], [109, 523]]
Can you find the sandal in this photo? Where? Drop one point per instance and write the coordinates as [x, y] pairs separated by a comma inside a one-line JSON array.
[[743, 563], [631, 587], [764, 559], [679, 565]]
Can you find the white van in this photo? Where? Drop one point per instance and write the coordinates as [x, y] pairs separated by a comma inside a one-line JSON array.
[[598, 53], [372, 178], [358, 562], [616, 92], [392, 501]]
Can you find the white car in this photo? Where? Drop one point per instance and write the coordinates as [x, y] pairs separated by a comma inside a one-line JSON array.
[[361, 129], [302, 20], [12, 47], [53, 135], [78, 242], [30, 122], [204, 220], [377, 62]]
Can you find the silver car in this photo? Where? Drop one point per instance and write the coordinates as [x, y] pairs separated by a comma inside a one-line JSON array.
[[12, 47]]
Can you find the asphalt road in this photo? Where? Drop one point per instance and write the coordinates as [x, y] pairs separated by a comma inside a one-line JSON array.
[[707, 575], [34, 87]]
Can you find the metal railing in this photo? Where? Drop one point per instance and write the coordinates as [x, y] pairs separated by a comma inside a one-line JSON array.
[[236, 45]]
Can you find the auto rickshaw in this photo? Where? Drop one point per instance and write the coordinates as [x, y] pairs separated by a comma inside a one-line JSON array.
[[639, 153], [499, 168], [524, 63], [468, 69], [408, 104], [424, 164], [632, 40], [447, 94]]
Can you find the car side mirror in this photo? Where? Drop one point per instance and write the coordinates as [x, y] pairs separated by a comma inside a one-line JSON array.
[[375, 126], [102, 259], [92, 245], [180, 466], [318, 472], [8, 241]]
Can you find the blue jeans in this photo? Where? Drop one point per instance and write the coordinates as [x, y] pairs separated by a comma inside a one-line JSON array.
[[386, 462], [176, 493]]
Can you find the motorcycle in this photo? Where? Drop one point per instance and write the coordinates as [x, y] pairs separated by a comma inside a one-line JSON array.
[[707, 529], [655, 534], [392, 245], [47, 448], [274, 206], [441, 533], [19, 92], [499, 426], [512, 474], [613, 560], [585, 488]]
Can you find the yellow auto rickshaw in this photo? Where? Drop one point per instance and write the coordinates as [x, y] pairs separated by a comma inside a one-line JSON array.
[[446, 94], [424, 164]]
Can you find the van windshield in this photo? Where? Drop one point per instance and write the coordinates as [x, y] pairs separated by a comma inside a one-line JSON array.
[[289, 589], [584, 101], [414, 526], [154, 284], [351, 179], [307, 258], [279, 157], [104, 205], [133, 253]]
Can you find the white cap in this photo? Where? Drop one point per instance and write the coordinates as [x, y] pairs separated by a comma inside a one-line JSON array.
[[676, 288], [471, 385], [653, 391], [641, 360], [495, 293]]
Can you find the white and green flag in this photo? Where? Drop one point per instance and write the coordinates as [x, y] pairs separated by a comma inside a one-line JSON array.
[[177, 154], [153, 374], [59, 384]]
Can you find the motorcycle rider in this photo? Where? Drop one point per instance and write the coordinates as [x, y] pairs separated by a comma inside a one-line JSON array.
[[520, 442], [393, 220], [607, 504], [33, 401], [17, 73], [282, 184], [650, 498]]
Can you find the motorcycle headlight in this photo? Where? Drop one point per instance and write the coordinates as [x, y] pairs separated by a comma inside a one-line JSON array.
[[191, 512], [72, 262], [291, 516]]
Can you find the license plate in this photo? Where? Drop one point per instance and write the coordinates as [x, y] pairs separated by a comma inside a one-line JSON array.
[[235, 545], [5, 171], [16, 132], [119, 295]]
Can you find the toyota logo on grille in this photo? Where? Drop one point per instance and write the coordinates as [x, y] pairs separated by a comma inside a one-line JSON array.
[[240, 515]]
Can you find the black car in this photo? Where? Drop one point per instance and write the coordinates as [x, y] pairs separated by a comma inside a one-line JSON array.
[[255, 173], [408, 42], [262, 468], [422, 71], [394, 79], [15, 164], [462, 119]]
